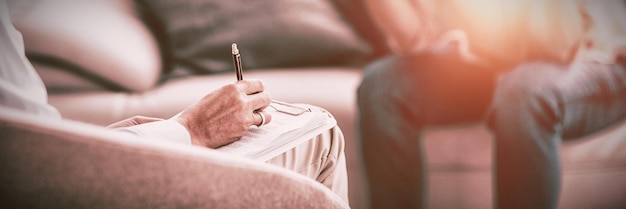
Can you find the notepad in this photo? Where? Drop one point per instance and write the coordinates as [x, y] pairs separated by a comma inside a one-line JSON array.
[[291, 125]]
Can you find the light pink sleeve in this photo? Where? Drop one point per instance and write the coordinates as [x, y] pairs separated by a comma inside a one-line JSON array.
[[168, 130]]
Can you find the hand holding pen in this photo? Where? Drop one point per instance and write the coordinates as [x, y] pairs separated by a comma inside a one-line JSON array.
[[226, 114], [279, 106], [265, 117]]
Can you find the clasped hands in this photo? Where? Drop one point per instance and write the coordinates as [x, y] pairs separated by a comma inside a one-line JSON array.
[[222, 116]]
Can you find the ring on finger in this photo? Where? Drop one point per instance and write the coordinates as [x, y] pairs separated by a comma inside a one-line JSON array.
[[262, 119]]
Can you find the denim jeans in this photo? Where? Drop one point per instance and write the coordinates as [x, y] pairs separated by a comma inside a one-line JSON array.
[[530, 110]]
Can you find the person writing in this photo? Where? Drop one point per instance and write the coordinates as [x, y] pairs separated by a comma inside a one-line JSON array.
[[540, 71], [219, 118]]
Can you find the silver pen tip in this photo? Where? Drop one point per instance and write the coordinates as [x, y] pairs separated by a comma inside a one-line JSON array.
[[235, 50]]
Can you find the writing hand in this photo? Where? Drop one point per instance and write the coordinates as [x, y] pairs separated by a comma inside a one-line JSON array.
[[224, 116]]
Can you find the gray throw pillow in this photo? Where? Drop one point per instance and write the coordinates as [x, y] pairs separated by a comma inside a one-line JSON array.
[[196, 35]]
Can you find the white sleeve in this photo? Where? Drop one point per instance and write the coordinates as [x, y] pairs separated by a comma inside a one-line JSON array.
[[168, 130], [21, 87]]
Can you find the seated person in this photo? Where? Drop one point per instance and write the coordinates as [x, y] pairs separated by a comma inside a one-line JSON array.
[[541, 71], [219, 118]]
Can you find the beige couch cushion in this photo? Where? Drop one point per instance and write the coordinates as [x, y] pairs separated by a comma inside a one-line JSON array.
[[99, 38]]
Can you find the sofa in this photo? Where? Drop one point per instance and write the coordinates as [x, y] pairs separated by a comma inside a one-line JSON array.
[[128, 58]]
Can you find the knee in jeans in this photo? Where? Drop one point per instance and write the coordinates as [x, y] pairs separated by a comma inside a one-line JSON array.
[[373, 73], [374, 80], [529, 83], [529, 89]]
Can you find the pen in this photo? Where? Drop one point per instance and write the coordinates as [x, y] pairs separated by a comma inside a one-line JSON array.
[[237, 61]]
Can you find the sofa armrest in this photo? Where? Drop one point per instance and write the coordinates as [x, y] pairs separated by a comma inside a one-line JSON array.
[[65, 164]]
